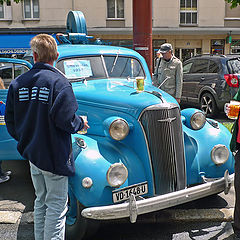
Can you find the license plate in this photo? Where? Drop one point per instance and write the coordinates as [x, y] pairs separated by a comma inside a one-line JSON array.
[[124, 193]]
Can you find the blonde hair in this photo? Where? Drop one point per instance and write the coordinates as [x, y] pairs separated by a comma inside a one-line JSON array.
[[45, 46]]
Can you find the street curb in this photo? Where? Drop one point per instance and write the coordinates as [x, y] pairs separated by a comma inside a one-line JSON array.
[[13, 217], [9, 217], [189, 215]]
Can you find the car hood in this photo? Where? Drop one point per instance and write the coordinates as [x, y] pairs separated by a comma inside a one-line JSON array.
[[119, 95]]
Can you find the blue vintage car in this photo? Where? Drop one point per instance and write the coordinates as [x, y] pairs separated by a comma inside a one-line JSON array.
[[142, 153]]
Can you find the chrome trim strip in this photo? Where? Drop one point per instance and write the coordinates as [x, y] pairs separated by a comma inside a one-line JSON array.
[[149, 156], [157, 203], [167, 120], [164, 105], [145, 137]]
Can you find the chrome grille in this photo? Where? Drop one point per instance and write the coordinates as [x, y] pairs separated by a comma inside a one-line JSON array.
[[163, 130]]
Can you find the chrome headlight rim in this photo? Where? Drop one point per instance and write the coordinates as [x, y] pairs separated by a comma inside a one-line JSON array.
[[120, 181], [194, 117], [118, 121], [214, 151]]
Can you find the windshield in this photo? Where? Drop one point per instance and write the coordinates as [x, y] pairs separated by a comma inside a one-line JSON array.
[[96, 67], [234, 66]]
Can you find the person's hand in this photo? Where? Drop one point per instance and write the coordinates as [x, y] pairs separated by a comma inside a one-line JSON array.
[[85, 123], [226, 108], [86, 126]]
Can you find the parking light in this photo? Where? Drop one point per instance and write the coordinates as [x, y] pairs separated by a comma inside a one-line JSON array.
[[87, 182]]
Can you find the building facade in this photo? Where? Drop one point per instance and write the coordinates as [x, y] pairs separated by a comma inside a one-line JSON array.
[[191, 26]]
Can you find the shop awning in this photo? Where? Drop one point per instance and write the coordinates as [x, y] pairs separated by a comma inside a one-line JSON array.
[[15, 43]]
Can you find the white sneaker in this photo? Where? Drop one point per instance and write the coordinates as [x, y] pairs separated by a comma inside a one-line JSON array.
[[4, 179]]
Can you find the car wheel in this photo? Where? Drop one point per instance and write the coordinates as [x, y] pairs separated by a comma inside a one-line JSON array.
[[78, 227], [208, 105]]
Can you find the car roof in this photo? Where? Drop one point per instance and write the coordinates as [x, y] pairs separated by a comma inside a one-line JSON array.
[[233, 55], [68, 50], [16, 61], [214, 56]]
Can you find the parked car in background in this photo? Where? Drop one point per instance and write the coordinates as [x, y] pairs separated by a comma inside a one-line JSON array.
[[11, 68], [141, 152], [209, 81]]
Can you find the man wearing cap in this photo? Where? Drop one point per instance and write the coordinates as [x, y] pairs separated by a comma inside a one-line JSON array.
[[169, 68]]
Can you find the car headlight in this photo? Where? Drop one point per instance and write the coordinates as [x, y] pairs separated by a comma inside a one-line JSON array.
[[198, 120], [117, 174], [119, 129], [219, 154]]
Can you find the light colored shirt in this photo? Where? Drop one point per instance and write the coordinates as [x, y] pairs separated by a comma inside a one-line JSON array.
[[174, 71]]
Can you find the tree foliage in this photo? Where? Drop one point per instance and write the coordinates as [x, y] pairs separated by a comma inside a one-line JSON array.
[[234, 3], [8, 1]]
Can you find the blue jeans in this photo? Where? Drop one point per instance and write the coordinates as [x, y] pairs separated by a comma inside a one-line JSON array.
[[50, 205]]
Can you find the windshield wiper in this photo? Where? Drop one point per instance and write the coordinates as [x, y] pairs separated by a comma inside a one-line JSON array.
[[79, 79]]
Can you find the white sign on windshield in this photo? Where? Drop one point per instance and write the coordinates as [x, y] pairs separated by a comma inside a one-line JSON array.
[[77, 68]]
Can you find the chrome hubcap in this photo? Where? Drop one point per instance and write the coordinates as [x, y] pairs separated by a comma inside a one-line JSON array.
[[207, 105]]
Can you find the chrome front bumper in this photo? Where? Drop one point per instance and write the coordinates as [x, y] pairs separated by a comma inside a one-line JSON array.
[[133, 208]]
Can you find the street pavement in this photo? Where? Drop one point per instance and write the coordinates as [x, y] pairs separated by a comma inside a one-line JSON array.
[[208, 218], [199, 219]]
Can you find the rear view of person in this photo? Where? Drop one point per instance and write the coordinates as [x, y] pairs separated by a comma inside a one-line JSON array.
[[41, 116]]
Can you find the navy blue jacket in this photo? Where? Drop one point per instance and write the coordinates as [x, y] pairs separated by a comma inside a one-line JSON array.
[[41, 115]]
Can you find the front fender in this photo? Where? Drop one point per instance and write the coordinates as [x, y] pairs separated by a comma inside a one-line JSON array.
[[94, 162], [198, 147]]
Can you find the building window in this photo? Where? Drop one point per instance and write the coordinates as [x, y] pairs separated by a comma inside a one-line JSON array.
[[188, 12], [115, 9], [31, 9], [1, 11], [217, 46], [6, 11], [235, 46]]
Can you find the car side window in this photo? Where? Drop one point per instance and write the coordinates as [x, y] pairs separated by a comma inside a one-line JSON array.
[[6, 74], [200, 66], [234, 66], [213, 67], [187, 67], [19, 69], [9, 71]]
